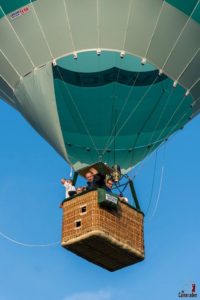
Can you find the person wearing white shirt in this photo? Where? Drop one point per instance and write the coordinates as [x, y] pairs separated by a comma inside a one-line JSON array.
[[70, 190]]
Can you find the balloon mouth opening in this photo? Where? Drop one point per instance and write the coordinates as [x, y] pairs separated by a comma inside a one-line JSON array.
[[101, 59]]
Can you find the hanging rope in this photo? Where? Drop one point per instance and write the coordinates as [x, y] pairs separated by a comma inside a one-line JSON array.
[[169, 121], [121, 111], [133, 110], [145, 124], [168, 55], [152, 185], [78, 112], [158, 197], [114, 96], [27, 244], [159, 190], [150, 151]]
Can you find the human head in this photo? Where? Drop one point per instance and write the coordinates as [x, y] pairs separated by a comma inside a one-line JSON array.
[[93, 171], [69, 181], [89, 176], [109, 183], [63, 180], [79, 190]]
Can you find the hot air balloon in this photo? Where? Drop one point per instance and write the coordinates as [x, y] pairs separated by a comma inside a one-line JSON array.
[[103, 81]]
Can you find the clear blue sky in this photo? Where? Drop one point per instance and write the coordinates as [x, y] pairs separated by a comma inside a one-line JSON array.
[[30, 194]]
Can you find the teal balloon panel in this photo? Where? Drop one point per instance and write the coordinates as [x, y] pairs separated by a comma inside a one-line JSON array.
[[115, 110]]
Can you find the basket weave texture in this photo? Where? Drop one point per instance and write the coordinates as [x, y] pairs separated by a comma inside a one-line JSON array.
[[111, 239]]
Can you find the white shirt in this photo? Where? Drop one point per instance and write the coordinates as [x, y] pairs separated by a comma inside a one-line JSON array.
[[69, 187]]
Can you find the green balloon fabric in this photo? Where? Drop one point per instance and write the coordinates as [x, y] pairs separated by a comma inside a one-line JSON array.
[[102, 80]]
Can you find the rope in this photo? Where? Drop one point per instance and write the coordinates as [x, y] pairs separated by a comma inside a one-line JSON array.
[[41, 29], [177, 108], [162, 113], [17, 37], [26, 244], [113, 108], [197, 100], [182, 31], [154, 30], [167, 137], [69, 26], [146, 122], [165, 60], [198, 80], [193, 57], [134, 109], [157, 125], [10, 63], [127, 22], [77, 110], [153, 182], [159, 190], [148, 155], [98, 25], [158, 197], [121, 111], [8, 97], [12, 88]]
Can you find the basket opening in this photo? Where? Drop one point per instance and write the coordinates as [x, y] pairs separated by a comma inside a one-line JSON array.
[[78, 223], [84, 209]]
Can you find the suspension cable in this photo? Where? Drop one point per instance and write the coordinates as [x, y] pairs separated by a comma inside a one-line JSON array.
[[27, 244], [155, 27], [153, 183], [180, 34], [146, 122], [122, 110], [150, 152], [17, 36], [190, 61], [42, 30], [159, 189], [134, 110], [10, 63], [77, 110], [127, 23], [69, 25]]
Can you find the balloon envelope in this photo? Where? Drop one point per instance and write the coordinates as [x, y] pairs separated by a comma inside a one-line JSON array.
[[101, 80]]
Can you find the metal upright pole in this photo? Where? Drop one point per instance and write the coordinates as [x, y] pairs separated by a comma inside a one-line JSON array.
[[133, 192], [75, 178]]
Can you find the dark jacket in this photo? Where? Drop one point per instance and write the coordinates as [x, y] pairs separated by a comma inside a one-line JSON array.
[[98, 182]]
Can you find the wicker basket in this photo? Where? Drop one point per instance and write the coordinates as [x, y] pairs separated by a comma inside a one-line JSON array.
[[111, 237]]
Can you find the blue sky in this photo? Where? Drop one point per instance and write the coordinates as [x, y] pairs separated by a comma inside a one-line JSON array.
[[30, 194]]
